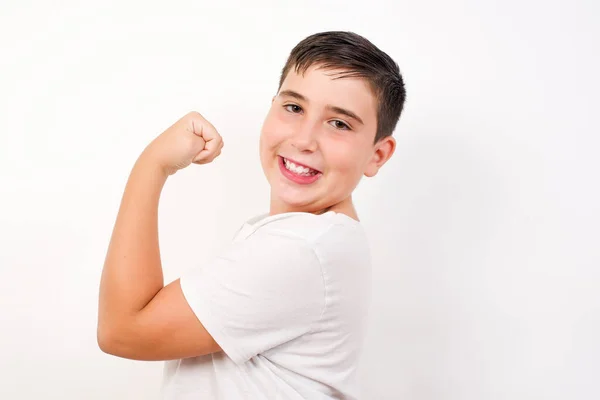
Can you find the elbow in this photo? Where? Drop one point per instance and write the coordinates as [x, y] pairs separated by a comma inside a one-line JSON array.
[[119, 340], [107, 340], [111, 340]]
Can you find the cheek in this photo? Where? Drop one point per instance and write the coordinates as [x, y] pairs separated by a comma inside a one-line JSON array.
[[346, 159], [274, 130]]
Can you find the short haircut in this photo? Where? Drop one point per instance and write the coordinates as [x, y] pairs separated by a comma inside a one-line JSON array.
[[356, 57]]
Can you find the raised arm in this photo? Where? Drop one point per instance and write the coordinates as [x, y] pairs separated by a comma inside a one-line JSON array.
[[138, 317]]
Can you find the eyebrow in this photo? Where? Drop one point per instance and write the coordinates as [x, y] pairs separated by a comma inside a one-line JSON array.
[[336, 109]]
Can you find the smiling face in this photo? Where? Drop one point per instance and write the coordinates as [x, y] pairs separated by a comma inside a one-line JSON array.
[[317, 141]]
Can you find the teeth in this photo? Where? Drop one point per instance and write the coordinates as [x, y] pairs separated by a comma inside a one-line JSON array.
[[298, 169]]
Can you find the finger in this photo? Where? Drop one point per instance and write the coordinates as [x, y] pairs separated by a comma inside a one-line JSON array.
[[199, 126], [209, 147], [208, 159], [208, 154], [194, 123], [209, 132], [214, 155], [213, 145]]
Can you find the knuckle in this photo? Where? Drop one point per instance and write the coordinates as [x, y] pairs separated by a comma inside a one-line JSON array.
[[195, 116]]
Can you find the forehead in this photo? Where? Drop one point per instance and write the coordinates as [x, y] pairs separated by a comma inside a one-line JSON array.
[[324, 87]]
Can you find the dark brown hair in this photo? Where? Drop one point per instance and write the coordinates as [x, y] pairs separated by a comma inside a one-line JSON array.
[[356, 57]]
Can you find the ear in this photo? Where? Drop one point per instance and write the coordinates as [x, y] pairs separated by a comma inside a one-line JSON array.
[[382, 151]]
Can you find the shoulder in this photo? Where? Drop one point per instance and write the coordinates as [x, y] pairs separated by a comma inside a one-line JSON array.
[[303, 225], [324, 234]]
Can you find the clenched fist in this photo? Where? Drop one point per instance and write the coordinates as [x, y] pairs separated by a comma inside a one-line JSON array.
[[192, 139]]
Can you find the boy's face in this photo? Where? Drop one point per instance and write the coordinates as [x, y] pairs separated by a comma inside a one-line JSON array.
[[326, 127]]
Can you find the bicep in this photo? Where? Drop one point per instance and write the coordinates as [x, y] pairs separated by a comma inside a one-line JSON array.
[[165, 329], [259, 294]]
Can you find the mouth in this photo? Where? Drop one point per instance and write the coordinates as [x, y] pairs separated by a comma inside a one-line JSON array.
[[298, 168], [298, 173]]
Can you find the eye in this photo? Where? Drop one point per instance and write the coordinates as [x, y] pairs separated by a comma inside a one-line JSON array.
[[294, 108], [340, 125]]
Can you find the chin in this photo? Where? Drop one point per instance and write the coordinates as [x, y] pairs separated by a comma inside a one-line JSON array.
[[292, 200], [293, 195]]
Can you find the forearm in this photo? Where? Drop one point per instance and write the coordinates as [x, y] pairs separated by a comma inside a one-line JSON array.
[[132, 273]]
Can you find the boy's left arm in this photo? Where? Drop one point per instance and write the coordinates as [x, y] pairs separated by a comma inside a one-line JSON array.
[[138, 317]]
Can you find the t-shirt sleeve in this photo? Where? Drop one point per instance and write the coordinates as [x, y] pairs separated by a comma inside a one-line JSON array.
[[261, 292]]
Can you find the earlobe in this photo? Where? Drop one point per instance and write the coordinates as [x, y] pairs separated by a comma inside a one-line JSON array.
[[370, 171], [383, 152], [374, 165]]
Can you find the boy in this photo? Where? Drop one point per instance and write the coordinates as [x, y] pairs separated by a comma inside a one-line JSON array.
[[281, 314]]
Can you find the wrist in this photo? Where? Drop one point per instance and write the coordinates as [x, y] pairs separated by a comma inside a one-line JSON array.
[[146, 161]]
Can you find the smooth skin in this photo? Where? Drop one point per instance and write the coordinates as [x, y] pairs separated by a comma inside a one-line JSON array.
[[328, 124], [139, 318]]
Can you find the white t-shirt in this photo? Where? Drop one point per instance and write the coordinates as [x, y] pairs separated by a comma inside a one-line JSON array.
[[287, 302]]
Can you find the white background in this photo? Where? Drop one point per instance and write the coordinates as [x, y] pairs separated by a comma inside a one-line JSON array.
[[484, 225]]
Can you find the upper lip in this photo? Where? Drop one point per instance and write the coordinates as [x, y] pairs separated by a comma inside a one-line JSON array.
[[300, 164]]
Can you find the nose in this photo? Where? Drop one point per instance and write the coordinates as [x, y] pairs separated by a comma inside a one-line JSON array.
[[304, 138]]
